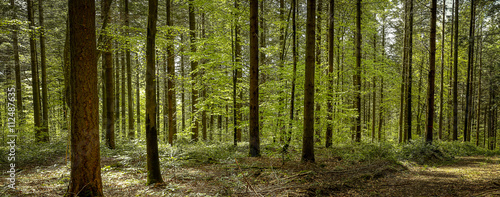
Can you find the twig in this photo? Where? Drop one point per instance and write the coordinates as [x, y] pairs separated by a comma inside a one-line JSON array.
[[245, 179]]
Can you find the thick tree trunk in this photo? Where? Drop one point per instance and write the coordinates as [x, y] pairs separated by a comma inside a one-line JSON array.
[[308, 135], [109, 98], [85, 151], [357, 74], [431, 79], [254, 79], [153, 162], [194, 65]]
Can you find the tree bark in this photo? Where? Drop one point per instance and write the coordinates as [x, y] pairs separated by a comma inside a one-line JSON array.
[[34, 75], [294, 56], [131, 130], [440, 134], [317, 120], [410, 74], [357, 75], [85, 151], [194, 65], [331, 35], [17, 67], [431, 78], [308, 135], [109, 89], [455, 75], [470, 73], [254, 79], [43, 64], [153, 162], [172, 126]]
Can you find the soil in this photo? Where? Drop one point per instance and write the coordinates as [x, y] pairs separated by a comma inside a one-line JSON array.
[[465, 176]]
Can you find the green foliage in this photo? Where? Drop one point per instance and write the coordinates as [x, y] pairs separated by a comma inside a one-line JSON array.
[[359, 152]]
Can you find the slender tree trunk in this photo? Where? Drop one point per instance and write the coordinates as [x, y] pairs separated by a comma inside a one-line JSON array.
[[138, 98], [470, 73], [480, 51], [308, 135], [85, 151], [204, 88], [381, 108], [34, 75], [117, 93], [402, 133], [194, 65], [442, 75], [183, 105], [374, 97], [237, 74], [455, 75], [294, 72], [123, 132], [45, 113], [131, 130], [17, 68], [254, 80], [357, 75], [319, 70], [431, 79], [329, 127], [171, 82], [153, 162], [109, 89], [410, 74]]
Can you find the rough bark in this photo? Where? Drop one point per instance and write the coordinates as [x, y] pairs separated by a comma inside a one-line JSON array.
[[308, 135], [153, 162], [254, 79], [431, 78], [85, 152]]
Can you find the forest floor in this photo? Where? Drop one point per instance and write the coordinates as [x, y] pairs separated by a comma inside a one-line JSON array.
[[205, 174]]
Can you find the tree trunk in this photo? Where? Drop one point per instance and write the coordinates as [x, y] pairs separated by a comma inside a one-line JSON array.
[[470, 73], [317, 120], [45, 115], [254, 79], [194, 64], [123, 129], [440, 134], [308, 135], [131, 130], [431, 78], [138, 98], [357, 74], [153, 162], [294, 56], [109, 89], [480, 51], [455, 75], [329, 127], [34, 75], [410, 73], [381, 108], [117, 93], [17, 68], [183, 105], [172, 126], [85, 151]]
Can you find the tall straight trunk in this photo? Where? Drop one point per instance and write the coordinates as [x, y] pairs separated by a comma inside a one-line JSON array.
[[17, 67], [34, 75], [450, 74], [117, 93], [109, 89], [480, 51], [381, 109], [308, 135], [254, 79], [131, 130], [455, 74], [172, 126], [331, 35], [403, 77], [470, 73], [43, 64], [236, 74], [183, 105], [374, 90], [441, 93], [194, 65], [85, 160], [138, 98], [123, 132], [419, 99], [165, 95], [410, 73], [204, 88], [282, 43], [294, 72], [318, 65], [431, 78], [357, 74], [153, 162]]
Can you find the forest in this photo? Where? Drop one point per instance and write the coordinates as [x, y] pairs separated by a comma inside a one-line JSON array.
[[249, 97]]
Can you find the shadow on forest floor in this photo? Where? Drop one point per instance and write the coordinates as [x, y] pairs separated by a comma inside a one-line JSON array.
[[212, 173]]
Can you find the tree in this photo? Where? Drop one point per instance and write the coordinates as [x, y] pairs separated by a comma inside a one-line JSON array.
[[357, 75], [85, 160], [440, 134], [432, 73], [194, 64], [410, 73], [171, 81], [329, 126], [236, 74], [43, 64], [455, 75], [254, 79], [17, 67], [153, 162], [109, 87], [470, 62], [131, 131], [308, 135], [34, 74]]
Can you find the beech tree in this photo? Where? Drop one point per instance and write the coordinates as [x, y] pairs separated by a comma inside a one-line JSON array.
[[254, 79], [308, 136]]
